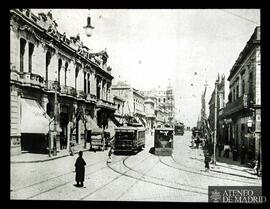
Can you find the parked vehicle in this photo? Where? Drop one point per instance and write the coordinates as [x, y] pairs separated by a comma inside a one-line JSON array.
[[129, 138], [164, 141]]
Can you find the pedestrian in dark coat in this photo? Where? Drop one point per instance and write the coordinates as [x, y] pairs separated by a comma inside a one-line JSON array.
[[80, 170], [207, 160], [243, 154]]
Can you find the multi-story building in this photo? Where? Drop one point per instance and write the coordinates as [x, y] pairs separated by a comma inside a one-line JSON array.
[[134, 102], [244, 100], [164, 106], [150, 106], [53, 79], [170, 106], [220, 85]]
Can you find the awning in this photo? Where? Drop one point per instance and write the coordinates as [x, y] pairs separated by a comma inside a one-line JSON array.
[[91, 125], [33, 118]]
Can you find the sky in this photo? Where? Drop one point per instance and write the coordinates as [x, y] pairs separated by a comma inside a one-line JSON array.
[[150, 48]]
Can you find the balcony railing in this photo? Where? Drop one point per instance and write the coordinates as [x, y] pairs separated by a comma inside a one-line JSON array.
[[68, 90], [106, 104], [237, 105], [91, 97], [81, 94], [50, 85], [27, 78]]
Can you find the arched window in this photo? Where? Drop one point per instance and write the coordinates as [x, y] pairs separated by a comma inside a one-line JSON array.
[[59, 69], [48, 60], [76, 75], [30, 56], [66, 68], [22, 50]]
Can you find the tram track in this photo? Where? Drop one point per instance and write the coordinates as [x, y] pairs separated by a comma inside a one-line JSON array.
[[200, 173], [65, 182], [52, 178], [153, 180], [109, 165]]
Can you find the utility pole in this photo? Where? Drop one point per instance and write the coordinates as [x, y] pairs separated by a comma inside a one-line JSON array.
[[215, 124], [55, 117]]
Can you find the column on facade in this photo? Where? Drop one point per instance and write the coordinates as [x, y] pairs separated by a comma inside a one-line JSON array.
[[101, 88], [25, 58], [93, 81], [105, 90], [71, 74], [80, 80], [52, 68], [240, 85], [62, 73], [14, 47]]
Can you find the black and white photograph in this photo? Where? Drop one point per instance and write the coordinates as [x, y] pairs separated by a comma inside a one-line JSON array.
[[137, 105]]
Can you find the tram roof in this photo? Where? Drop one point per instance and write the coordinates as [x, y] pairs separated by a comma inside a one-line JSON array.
[[164, 129], [129, 128]]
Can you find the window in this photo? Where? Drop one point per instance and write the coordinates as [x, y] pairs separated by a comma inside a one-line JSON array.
[[250, 83], [243, 87], [22, 50], [76, 75], [30, 53], [66, 68], [158, 99], [237, 92], [84, 84], [48, 60], [88, 83], [163, 99], [59, 69]]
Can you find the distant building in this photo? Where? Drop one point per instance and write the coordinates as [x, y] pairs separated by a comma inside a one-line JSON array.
[[134, 102], [220, 105]]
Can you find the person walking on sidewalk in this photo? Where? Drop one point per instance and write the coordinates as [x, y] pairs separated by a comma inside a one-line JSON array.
[[243, 154], [207, 160], [110, 154], [257, 166], [220, 146], [80, 170]]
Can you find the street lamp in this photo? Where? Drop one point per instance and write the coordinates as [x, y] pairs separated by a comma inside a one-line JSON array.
[[88, 28], [55, 86]]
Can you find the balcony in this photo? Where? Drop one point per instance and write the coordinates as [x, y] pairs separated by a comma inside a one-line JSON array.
[[68, 90], [81, 94], [106, 104], [50, 85], [27, 79], [236, 106], [150, 115], [91, 98]]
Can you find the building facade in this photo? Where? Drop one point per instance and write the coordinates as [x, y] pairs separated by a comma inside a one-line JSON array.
[[220, 85], [244, 101], [133, 109], [53, 80]]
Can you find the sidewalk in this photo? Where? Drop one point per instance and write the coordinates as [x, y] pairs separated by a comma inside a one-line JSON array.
[[36, 157], [228, 166]]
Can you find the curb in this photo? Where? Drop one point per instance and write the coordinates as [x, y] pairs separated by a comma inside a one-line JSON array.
[[233, 174], [49, 159]]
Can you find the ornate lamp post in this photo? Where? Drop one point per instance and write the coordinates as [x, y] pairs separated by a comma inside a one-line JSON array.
[[55, 86], [88, 28]]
